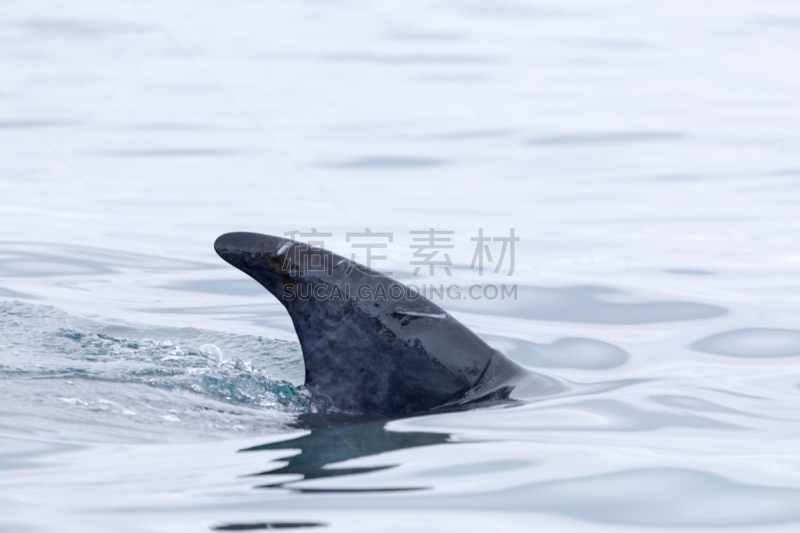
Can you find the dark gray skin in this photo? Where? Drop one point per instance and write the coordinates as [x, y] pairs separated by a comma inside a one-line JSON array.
[[371, 345]]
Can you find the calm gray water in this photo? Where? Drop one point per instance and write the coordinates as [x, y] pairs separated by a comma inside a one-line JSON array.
[[645, 153]]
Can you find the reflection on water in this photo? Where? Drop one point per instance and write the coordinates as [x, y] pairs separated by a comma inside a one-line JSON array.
[[661, 497], [615, 415], [752, 342], [688, 272], [174, 152], [326, 446], [588, 304], [594, 139], [695, 404], [589, 354], [390, 162], [26, 260], [80, 29], [228, 287], [266, 525]]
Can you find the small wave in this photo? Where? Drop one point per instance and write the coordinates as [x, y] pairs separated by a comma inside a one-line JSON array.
[[45, 343]]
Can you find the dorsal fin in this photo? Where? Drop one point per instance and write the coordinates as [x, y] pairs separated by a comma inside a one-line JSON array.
[[370, 344]]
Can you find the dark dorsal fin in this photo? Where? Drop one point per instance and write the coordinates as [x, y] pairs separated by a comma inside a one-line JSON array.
[[370, 344]]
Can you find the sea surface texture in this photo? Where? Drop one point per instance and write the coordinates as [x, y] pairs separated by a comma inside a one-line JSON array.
[[644, 153]]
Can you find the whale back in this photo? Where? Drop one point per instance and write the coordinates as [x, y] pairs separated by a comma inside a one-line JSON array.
[[370, 344]]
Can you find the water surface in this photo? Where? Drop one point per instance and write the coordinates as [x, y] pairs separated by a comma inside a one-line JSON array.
[[645, 154]]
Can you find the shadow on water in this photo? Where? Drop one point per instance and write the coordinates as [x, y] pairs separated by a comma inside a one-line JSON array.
[[325, 446]]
